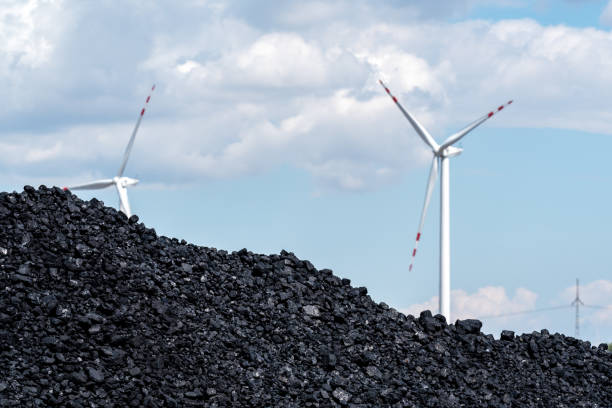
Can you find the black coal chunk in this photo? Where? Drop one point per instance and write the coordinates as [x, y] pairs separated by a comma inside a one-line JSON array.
[[471, 326], [98, 310], [507, 335]]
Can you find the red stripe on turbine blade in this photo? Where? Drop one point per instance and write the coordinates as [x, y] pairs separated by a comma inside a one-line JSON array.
[[410, 268], [418, 236], [414, 252], [509, 102], [142, 111], [490, 114], [500, 108], [394, 99], [153, 88], [148, 98]]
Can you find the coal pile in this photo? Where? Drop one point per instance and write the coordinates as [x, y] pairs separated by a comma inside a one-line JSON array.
[[96, 310]]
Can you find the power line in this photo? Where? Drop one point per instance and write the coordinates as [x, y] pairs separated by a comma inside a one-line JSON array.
[[598, 306], [543, 309], [577, 302]]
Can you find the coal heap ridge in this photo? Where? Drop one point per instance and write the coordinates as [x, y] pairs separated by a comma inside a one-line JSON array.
[[96, 310]]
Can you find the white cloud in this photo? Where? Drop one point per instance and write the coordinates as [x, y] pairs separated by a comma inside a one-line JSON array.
[[337, 99], [279, 59], [485, 302], [236, 96], [187, 67], [311, 12], [490, 301], [25, 33]]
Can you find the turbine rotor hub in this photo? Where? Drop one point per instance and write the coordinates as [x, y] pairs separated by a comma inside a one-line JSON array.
[[450, 151], [127, 181]]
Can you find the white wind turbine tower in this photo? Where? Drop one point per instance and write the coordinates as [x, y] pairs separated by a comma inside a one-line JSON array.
[[441, 155], [119, 180]]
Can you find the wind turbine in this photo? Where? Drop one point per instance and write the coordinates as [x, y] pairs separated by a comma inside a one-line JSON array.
[[119, 180], [441, 155]]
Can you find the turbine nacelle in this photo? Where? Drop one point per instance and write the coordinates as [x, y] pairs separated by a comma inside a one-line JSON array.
[[125, 181], [450, 151]]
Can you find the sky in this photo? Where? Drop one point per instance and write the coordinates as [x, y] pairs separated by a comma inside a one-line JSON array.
[[267, 130]]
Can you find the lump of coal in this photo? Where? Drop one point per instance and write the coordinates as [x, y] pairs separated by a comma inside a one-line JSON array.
[[468, 326], [98, 310]]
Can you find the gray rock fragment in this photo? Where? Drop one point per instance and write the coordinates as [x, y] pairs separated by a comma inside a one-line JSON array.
[[341, 396], [312, 310]]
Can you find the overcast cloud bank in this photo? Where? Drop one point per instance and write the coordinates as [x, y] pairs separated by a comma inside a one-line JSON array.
[[242, 92]]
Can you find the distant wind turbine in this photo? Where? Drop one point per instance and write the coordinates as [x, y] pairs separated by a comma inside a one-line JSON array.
[[119, 181], [441, 154]]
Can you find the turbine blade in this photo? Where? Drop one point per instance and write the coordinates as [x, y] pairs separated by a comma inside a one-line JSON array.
[[415, 124], [457, 136], [124, 204], [128, 149], [94, 185], [433, 175]]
